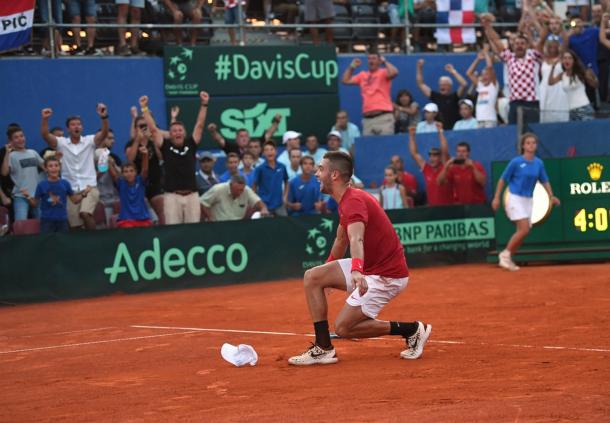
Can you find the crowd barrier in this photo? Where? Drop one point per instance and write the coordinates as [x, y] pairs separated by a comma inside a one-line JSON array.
[[84, 264]]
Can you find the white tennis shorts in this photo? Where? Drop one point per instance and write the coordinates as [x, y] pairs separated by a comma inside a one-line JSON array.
[[518, 207], [381, 290]]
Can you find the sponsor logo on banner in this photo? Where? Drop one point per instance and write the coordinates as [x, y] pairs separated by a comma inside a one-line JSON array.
[[318, 243], [595, 171], [256, 120]]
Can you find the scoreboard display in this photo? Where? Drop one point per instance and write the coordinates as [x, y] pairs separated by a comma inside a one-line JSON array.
[[580, 227]]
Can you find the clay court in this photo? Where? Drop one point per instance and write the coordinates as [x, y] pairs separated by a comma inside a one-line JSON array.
[[526, 346]]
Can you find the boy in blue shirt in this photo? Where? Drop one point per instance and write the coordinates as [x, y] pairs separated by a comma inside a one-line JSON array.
[[271, 181], [304, 191], [51, 194], [132, 193]]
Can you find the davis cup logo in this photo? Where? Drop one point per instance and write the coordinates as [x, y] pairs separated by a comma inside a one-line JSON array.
[[318, 243]]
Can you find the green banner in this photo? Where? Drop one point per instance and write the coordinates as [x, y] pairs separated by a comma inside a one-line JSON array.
[[250, 70], [84, 264], [307, 114]]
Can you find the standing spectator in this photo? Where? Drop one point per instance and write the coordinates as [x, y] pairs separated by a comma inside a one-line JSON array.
[[348, 130], [487, 88], [585, 43], [269, 178], [573, 80], [392, 195], [22, 165], [522, 63], [125, 8], [105, 182], [242, 140], [320, 11], [231, 15], [403, 177], [553, 99], [6, 183], [429, 124], [466, 112], [57, 14], [76, 9], [180, 200], [78, 164], [177, 9], [424, 12], [304, 196], [333, 142], [294, 168], [51, 196], [292, 141], [48, 151], [248, 168], [232, 200], [131, 187], [255, 147], [406, 112], [232, 165], [466, 176], [437, 195], [154, 187], [375, 86], [206, 177], [313, 149], [445, 98], [600, 20]]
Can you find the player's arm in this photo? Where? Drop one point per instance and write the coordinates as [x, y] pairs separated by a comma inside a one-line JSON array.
[[339, 246], [355, 233]]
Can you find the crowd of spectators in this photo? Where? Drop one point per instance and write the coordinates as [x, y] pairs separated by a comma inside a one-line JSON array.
[[127, 41]]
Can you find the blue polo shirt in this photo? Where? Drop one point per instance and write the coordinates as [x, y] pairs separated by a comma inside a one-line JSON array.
[[522, 175], [133, 203], [585, 46], [49, 192], [225, 177], [269, 182], [305, 192]]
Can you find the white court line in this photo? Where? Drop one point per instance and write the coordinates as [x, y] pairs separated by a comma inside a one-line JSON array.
[[68, 332], [105, 341], [546, 347]]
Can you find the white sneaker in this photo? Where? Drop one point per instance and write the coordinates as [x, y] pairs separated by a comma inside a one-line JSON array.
[[314, 355], [505, 261], [416, 342]]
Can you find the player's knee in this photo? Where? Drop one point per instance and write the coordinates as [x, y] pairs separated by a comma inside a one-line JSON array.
[[311, 277], [342, 328]]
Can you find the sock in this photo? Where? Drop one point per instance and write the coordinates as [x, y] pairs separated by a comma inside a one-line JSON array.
[[405, 329], [322, 334]]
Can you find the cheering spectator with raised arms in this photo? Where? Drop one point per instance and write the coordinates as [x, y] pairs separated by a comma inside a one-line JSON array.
[[181, 200], [487, 88], [78, 164]]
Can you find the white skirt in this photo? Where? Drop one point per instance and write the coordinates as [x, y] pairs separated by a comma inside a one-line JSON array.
[[518, 207]]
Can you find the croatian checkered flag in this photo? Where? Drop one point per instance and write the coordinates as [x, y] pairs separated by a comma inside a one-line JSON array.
[[455, 12]]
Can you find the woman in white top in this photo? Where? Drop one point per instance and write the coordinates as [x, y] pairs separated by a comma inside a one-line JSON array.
[[553, 99], [487, 90], [392, 195], [573, 80]]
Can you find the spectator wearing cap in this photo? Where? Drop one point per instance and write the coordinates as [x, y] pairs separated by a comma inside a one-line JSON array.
[[294, 168], [232, 165], [304, 196], [206, 177], [333, 142], [429, 122], [349, 131], [375, 87], [467, 112], [445, 98], [271, 181], [181, 199], [292, 141], [437, 194], [78, 164], [232, 200], [466, 176], [313, 149]]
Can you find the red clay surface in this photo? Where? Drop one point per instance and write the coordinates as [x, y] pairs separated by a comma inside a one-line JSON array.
[[84, 360]]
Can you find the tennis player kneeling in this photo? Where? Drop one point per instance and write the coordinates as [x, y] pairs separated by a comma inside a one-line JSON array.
[[375, 274]]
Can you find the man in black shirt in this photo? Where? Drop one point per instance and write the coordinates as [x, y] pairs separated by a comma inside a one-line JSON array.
[[180, 200], [445, 98]]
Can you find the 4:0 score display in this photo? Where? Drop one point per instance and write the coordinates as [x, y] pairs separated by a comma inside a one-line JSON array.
[[596, 220]]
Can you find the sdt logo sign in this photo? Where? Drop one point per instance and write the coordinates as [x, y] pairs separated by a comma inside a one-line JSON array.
[[174, 262], [256, 120]]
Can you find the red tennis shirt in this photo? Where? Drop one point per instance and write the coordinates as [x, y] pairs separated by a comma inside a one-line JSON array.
[[383, 252]]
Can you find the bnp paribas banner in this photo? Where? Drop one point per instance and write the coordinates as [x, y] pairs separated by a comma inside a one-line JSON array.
[[86, 264], [250, 70], [301, 113]]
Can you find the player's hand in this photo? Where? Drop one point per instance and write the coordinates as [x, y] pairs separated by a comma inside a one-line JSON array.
[[495, 203], [46, 113], [555, 201], [359, 282], [212, 128], [143, 101], [355, 63]]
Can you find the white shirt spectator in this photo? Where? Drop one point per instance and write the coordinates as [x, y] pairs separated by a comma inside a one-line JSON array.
[[424, 127], [78, 162], [466, 124], [292, 173], [486, 102], [575, 89], [317, 156]]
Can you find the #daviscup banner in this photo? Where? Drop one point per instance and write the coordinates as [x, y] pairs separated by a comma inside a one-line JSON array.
[[16, 18], [455, 12]]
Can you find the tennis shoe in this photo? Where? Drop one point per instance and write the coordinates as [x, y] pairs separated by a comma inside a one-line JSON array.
[[416, 342], [314, 355], [505, 261]]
